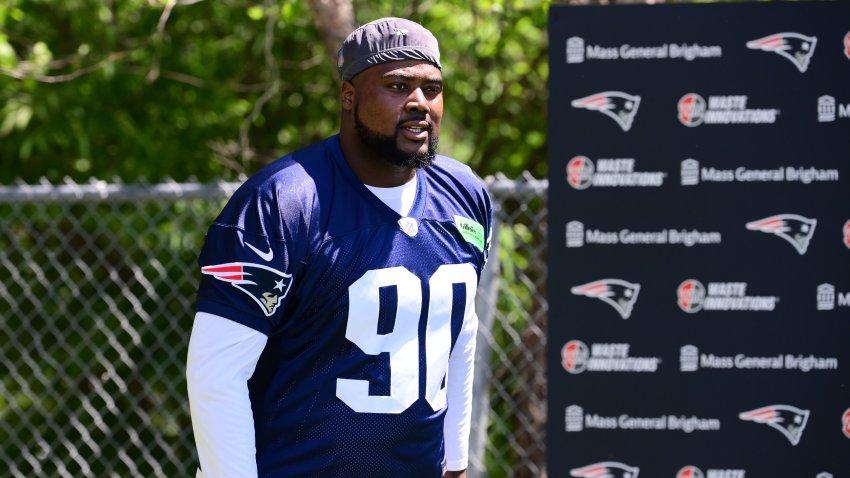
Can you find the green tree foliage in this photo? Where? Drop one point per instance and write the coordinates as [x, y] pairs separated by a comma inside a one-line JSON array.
[[153, 89]]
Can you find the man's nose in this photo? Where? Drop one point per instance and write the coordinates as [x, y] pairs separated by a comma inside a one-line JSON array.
[[417, 101]]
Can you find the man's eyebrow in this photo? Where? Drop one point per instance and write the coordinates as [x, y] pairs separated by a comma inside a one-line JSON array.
[[402, 76]]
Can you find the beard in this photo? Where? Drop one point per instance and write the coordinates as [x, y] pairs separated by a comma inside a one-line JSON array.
[[386, 146]]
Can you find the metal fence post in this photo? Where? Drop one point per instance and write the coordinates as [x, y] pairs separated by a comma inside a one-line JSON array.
[[485, 305]]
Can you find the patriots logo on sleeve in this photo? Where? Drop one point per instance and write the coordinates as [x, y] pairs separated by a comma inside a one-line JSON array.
[[266, 286]]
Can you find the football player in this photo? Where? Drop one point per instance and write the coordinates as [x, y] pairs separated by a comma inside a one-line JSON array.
[[335, 327]]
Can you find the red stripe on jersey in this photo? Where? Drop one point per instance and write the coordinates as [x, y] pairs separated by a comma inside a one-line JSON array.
[[222, 269]]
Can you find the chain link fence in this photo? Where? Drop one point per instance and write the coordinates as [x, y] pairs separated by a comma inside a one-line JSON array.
[[97, 291]]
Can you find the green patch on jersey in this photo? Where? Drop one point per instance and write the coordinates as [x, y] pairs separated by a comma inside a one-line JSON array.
[[471, 231]]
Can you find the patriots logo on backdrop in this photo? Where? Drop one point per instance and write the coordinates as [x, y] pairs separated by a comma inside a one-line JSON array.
[[845, 423], [606, 469], [690, 472], [266, 286], [619, 106], [797, 230], [617, 293], [788, 420], [793, 46]]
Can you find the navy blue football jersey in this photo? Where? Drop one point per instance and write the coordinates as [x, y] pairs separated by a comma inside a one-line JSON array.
[[361, 307]]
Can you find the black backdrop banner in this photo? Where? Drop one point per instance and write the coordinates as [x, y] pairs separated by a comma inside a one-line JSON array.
[[699, 207]]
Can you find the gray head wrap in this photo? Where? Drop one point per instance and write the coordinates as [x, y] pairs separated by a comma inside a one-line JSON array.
[[385, 40]]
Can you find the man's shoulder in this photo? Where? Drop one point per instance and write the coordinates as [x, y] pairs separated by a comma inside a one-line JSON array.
[[452, 174], [300, 165], [447, 168], [456, 190], [296, 173], [288, 185]]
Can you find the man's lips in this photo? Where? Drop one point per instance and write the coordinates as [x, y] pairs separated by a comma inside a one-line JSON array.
[[415, 130]]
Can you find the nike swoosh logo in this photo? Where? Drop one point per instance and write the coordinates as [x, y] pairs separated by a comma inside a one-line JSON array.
[[266, 256]]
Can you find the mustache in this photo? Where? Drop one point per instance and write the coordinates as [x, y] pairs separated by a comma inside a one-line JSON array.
[[416, 118]]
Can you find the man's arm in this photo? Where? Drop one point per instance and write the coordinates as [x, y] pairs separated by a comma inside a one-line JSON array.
[[459, 396], [222, 357]]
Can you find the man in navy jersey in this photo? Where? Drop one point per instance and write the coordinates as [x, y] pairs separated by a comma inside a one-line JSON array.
[[335, 332]]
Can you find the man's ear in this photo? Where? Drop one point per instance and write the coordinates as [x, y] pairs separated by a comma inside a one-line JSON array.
[[347, 93]]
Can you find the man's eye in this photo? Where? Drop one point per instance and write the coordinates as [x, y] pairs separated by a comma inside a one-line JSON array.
[[398, 86]]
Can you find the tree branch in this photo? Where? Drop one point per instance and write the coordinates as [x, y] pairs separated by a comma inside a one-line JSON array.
[[22, 74]]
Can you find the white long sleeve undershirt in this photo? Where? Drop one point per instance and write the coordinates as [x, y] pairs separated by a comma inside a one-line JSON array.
[[222, 357], [459, 397]]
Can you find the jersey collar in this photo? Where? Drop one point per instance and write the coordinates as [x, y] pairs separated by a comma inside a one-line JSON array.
[[421, 188]]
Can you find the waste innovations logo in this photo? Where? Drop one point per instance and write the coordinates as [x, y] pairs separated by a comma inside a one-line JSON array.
[[610, 172], [786, 419], [606, 469], [828, 299], [579, 51], [580, 172], [847, 45], [795, 47], [691, 471], [693, 111], [617, 105], [692, 174], [692, 296], [577, 357], [830, 110], [578, 235], [845, 234], [577, 419], [692, 360], [795, 229], [574, 355], [617, 293]]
